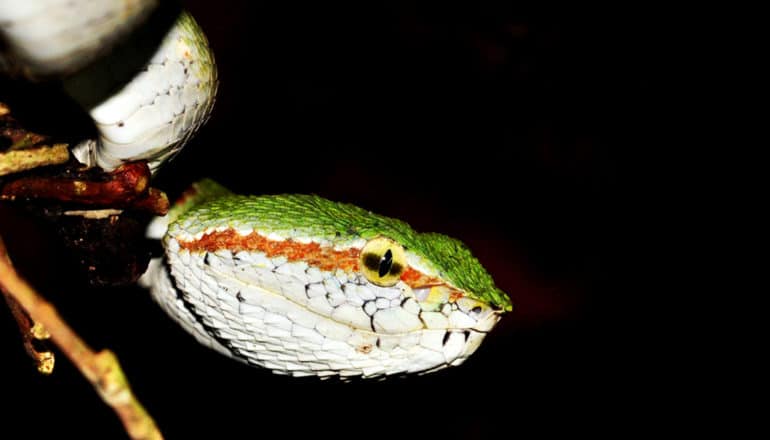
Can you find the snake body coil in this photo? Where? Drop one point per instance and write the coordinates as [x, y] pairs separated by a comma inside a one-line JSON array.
[[142, 70]]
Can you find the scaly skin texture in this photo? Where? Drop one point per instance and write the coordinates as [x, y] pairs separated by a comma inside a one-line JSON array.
[[311, 216], [142, 69], [294, 283], [306, 286]]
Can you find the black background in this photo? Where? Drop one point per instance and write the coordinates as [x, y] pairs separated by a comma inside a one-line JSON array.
[[501, 126]]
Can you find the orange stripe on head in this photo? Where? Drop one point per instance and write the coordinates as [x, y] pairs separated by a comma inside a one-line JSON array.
[[322, 257]]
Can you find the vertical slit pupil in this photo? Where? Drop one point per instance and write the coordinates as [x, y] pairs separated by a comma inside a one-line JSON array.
[[386, 262]]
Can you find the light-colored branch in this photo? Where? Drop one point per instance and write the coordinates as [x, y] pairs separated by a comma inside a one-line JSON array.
[[30, 331], [15, 161], [101, 369]]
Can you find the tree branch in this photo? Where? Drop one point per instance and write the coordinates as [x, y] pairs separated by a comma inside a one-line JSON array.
[[101, 369], [32, 331]]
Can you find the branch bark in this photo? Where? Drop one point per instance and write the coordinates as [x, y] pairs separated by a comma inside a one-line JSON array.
[[101, 369]]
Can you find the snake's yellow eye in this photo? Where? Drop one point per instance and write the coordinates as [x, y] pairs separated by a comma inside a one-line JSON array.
[[383, 261]]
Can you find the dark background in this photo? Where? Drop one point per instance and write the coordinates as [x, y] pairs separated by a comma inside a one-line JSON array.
[[501, 126]]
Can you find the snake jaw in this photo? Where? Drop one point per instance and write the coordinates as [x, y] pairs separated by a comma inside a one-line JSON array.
[[298, 319]]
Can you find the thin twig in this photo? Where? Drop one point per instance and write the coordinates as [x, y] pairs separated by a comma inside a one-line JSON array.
[[32, 331], [101, 369]]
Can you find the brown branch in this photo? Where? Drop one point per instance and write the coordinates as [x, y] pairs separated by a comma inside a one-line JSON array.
[[155, 201], [125, 183], [125, 187], [101, 369]]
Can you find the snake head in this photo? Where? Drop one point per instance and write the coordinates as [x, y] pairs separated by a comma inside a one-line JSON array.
[[306, 286], [444, 298]]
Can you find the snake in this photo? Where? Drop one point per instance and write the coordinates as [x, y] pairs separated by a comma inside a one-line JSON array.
[[297, 284], [142, 69]]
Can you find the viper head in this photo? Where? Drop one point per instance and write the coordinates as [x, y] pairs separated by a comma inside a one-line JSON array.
[[303, 285]]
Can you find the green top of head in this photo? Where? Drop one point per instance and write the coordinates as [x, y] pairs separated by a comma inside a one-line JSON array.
[[324, 220]]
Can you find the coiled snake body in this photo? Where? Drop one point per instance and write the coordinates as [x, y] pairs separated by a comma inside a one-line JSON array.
[[297, 284]]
